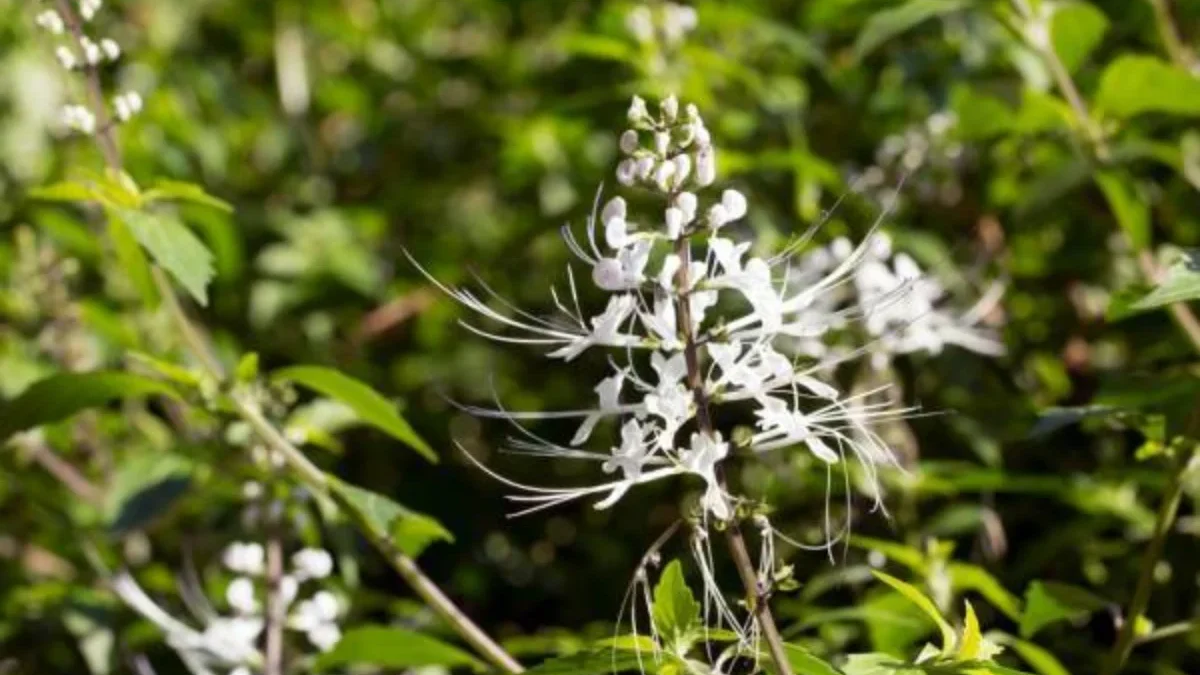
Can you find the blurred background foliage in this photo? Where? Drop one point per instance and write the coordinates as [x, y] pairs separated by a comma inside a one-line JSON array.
[[349, 132]]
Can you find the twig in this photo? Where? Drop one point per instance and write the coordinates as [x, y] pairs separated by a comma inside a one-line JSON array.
[[276, 608], [1168, 32], [733, 533]]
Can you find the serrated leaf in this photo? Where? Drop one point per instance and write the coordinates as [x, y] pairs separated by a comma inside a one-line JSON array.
[[1181, 283], [926, 605], [1076, 29], [887, 24], [393, 648], [174, 248], [387, 522], [1047, 602], [1133, 84], [370, 406], [675, 612], [184, 192], [132, 259], [60, 396]]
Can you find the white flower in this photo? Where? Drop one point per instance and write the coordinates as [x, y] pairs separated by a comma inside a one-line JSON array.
[[66, 57], [669, 108], [606, 329], [734, 203], [112, 50], [91, 51], [79, 118], [628, 458], [312, 563], [240, 594], [88, 9], [701, 458], [637, 111], [325, 636], [127, 105], [626, 172], [609, 391], [706, 166], [247, 558], [640, 23], [50, 21]]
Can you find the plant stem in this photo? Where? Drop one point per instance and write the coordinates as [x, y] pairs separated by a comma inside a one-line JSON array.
[[276, 607], [248, 409], [733, 533], [1141, 594], [1169, 34]]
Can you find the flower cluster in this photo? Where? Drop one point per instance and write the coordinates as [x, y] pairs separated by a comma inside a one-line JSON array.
[[315, 616], [665, 272], [78, 50], [669, 22]]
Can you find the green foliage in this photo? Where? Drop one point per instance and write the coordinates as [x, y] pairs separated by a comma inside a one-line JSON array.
[[370, 406], [1076, 29], [889, 23], [173, 247], [387, 522], [58, 397], [1135, 84], [1180, 284], [676, 613], [1047, 602], [390, 647]]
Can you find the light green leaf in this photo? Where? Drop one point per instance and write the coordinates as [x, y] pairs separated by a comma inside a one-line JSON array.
[[185, 192], [803, 662], [1133, 84], [1040, 659], [676, 613], [65, 191], [980, 115], [132, 259], [1131, 211], [887, 24], [968, 577], [393, 648], [173, 246], [1076, 29], [630, 643], [1180, 284], [877, 664], [926, 605], [386, 522], [1047, 602], [60, 396], [370, 406], [600, 662]]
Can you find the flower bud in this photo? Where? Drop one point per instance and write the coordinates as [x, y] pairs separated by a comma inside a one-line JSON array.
[[616, 232], [645, 167], [91, 51], [683, 168], [629, 141], [700, 135], [734, 203], [674, 222], [662, 143], [663, 174], [615, 208], [669, 108], [88, 9], [66, 57], [640, 23], [625, 172], [112, 50], [240, 595], [607, 275], [637, 114], [706, 166], [717, 216], [51, 22], [686, 201]]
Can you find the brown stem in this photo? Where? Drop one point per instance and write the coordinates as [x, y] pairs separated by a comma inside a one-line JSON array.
[[66, 473], [104, 125], [733, 533], [276, 607], [1168, 32]]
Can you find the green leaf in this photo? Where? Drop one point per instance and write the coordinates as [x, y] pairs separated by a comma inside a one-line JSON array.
[[144, 488], [926, 605], [980, 116], [1181, 283], [388, 647], [60, 396], [173, 246], [1131, 211], [675, 612], [387, 522], [1040, 659], [184, 192], [370, 406], [1076, 29], [1053, 419], [132, 259], [887, 24], [804, 663], [1047, 602], [1133, 84], [877, 664], [65, 191], [599, 662]]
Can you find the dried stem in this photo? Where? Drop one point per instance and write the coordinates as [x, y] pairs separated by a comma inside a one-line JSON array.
[[248, 408], [733, 532]]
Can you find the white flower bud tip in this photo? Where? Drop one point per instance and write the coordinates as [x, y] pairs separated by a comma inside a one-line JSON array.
[[112, 50], [670, 108], [615, 208], [91, 51], [663, 174], [686, 201], [629, 141], [625, 172], [66, 57], [683, 168], [706, 166], [637, 111], [662, 143], [313, 563], [674, 222], [88, 9], [734, 203], [51, 22], [717, 216], [240, 596], [645, 167]]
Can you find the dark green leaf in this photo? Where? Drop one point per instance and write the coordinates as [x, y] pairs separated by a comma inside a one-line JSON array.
[[889, 23], [173, 246], [1180, 284], [1130, 209], [1054, 419], [676, 612], [387, 522], [144, 489], [60, 396], [1134, 84], [393, 648], [1047, 602], [599, 662], [370, 406]]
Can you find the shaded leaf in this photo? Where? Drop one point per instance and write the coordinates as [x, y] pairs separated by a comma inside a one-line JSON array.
[[1133, 84], [887, 24], [174, 248], [1181, 283], [926, 605], [1053, 419], [1130, 209], [370, 406], [132, 259], [388, 647], [60, 396], [1047, 602], [145, 487], [600, 662], [387, 522]]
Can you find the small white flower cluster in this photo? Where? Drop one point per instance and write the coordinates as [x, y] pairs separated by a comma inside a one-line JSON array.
[[929, 151], [82, 51], [669, 21], [682, 150], [315, 616]]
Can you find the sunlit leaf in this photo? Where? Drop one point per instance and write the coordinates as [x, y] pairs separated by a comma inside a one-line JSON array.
[[1076, 29], [1180, 284], [174, 248], [1047, 602], [599, 662], [887, 24], [387, 522], [676, 613], [393, 648], [926, 605], [370, 406], [166, 190], [1133, 84]]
